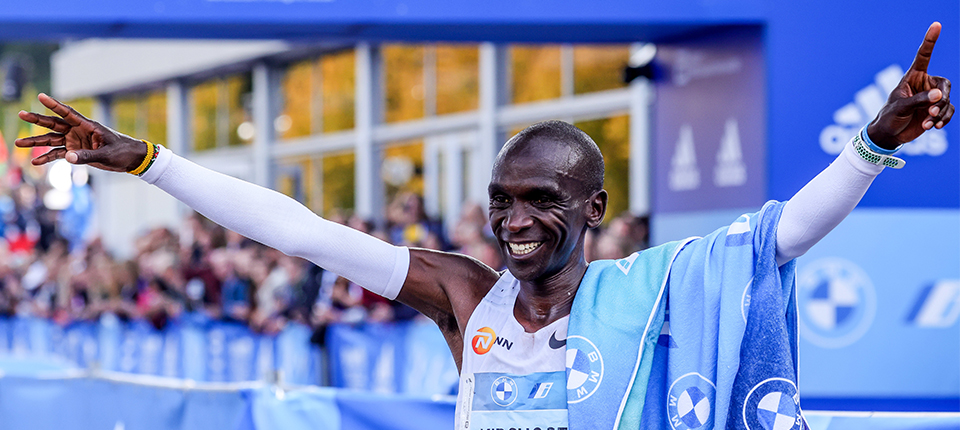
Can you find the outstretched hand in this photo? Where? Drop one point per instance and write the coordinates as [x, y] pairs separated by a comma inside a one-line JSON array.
[[918, 103], [80, 140]]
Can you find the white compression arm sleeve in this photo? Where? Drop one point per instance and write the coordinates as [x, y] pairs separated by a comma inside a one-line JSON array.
[[821, 204], [280, 222]]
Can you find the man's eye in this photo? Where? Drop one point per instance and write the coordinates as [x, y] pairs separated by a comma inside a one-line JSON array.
[[499, 200]]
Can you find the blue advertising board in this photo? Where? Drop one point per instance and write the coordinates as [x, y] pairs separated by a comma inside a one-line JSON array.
[[879, 324], [709, 138], [831, 65], [878, 307]]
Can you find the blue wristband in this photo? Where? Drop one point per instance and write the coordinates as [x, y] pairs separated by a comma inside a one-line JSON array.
[[873, 146]]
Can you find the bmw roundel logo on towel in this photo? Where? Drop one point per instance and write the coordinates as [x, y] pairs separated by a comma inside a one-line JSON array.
[[837, 302], [690, 402], [772, 405], [584, 368], [504, 391]]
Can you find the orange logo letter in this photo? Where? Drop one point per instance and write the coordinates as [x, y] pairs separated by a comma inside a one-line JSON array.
[[484, 340]]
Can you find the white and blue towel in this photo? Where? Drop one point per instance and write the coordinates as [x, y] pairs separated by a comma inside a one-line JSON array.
[[719, 346]]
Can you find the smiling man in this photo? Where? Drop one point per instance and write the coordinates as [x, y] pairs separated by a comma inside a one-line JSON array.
[[666, 338]]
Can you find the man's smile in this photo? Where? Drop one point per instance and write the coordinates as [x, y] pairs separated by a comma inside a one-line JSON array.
[[523, 248]]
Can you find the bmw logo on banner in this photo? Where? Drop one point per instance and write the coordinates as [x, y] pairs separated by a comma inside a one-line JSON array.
[[837, 302]]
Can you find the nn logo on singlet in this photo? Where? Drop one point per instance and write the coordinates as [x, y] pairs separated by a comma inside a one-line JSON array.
[[486, 338]]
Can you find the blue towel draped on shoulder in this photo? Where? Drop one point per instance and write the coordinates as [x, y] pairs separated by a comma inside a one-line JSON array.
[[719, 347]]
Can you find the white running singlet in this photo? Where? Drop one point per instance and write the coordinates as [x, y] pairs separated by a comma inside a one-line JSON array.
[[511, 378]]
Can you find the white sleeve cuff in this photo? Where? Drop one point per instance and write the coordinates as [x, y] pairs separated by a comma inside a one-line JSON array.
[[399, 276], [159, 166]]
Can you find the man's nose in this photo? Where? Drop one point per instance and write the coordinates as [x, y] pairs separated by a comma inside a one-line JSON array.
[[518, 218]]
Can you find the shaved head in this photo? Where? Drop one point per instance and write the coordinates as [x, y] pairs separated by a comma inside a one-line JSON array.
[[584, 159], [546, 191]]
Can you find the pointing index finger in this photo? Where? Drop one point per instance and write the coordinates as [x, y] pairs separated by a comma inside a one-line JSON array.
[[922, 59]]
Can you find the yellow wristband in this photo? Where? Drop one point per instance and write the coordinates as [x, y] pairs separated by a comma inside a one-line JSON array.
[[152, 152]]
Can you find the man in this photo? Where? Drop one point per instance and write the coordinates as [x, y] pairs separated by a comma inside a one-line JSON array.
[[545, 192]]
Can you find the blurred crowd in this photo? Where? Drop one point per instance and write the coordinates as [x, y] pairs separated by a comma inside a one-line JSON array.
[[204, 268]]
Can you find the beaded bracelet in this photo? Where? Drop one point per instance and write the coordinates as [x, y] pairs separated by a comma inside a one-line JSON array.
[[152, 151], [866, 153]]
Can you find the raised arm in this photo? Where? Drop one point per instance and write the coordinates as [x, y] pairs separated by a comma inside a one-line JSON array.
[[428, 280], [918, 103]]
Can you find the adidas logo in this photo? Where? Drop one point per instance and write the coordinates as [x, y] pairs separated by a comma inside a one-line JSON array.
[[729, 169], [866, 103]]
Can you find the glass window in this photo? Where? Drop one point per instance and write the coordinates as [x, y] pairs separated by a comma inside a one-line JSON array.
[[155, 116], [338, 76], [238, 93], [402, 168], [599, 67], [613, 137], [297, 179], [298, 91], [458, 78], [536, 72], [203, 100], [338, 180], [221, 112], [403, 82], [289, 181], [125, 115]]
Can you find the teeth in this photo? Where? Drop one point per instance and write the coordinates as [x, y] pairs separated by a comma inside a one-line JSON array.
[[524, 248]]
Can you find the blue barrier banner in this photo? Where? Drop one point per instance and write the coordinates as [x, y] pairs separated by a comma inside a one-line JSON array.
[[241, 349], [130, 343], [311, 409], [132, 402], [172, 366], [352, 353], [4, 335], [216, 352], [150, 359], [193, 344], [56, 339], [294, 355], [20, 337], [824, 421], [80, 343], [366, 357], [429, 367], [266, 357], [369, 411], [109, 336]]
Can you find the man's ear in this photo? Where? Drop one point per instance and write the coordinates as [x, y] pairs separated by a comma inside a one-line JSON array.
[[596, 208]]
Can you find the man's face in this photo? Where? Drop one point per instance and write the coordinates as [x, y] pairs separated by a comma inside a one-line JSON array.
[[538, 209]]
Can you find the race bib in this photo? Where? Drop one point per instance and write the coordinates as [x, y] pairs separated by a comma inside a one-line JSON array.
[[503, 401]]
